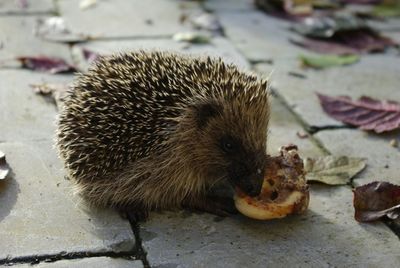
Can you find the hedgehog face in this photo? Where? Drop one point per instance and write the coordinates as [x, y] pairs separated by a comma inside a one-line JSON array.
[[232, 140], [245, 168]]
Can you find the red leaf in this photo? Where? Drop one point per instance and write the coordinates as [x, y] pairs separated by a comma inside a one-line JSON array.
[[363, 40], [347, 42], [46, 64], [361, 2], [90, 55], [365, 113], [324, 46], [375, 200]]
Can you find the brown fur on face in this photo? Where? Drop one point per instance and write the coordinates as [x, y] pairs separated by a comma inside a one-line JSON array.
[[150, 129]]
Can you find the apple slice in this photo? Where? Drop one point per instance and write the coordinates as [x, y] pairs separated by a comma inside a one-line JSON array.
[[284, 189]]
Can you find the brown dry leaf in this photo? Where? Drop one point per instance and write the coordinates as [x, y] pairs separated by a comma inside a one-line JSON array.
[[366, 113], [56, 92], [333, 170], [4, 168], [375, 200]]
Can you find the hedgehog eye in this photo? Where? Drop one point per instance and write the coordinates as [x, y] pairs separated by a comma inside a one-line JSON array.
[[227, 145]]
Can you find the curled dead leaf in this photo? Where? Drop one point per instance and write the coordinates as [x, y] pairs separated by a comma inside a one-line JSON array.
[[376, 200], [333, 170]]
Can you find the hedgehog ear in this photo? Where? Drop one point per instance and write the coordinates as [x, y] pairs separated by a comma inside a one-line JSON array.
[[205, 111]]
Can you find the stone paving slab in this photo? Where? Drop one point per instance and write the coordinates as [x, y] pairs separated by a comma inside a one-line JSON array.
[[95, 262], [387, 25], [232, 5], [326, 236], [375, 76], [26, 42], [39, 215], [219, 47], [24, 114], [33, 7], [283, 130], [120, 18], [259, 36], [382, 159]]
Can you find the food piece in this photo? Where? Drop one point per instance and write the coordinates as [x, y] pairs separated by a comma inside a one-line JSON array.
[[284, 190]]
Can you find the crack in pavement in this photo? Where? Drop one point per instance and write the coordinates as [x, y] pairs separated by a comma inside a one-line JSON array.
[[315, 129], [141, 253], [35, 259]]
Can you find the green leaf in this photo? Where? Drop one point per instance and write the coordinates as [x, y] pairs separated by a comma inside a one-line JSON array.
[[333, 170], [325, 61], [192, 37], [388, 10]]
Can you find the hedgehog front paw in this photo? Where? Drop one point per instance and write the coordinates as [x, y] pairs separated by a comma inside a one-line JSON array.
[[138, 215], [220, 206]]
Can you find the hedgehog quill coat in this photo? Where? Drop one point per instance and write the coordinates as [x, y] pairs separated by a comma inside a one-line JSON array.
[[156, 130]]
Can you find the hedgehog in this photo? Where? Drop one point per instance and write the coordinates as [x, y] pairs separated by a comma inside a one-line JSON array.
[[154, 130]]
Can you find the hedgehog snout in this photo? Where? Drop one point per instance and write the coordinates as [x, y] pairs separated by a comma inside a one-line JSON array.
[[248, 180]]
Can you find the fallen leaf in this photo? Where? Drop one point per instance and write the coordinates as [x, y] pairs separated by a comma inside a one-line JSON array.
[[325, 61], [46, 64], [394, 143], [56, 92], [344, 33], [192, 37], [375, 200], [326, 27], [320, 46], [302, 135], [85, 4], [361, 2], [206, 21], [333, 170], [387, 10], [366, 113], [296, 10], [90, 55], [4, 168], [285, 9]]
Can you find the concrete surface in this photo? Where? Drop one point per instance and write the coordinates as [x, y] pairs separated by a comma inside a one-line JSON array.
[[40, 218], [90, 263]]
